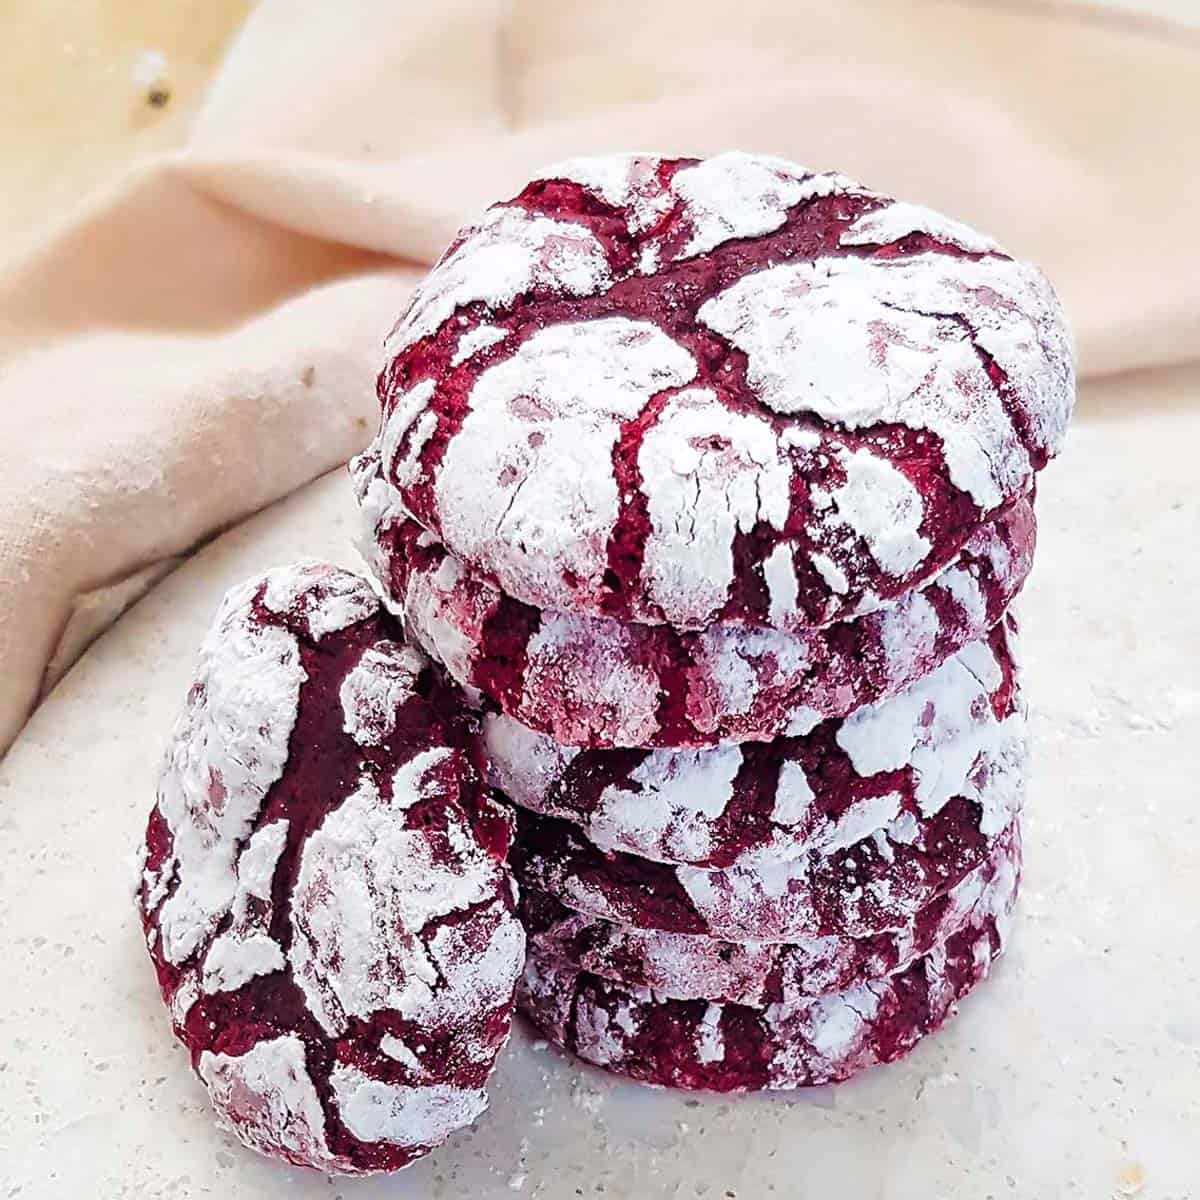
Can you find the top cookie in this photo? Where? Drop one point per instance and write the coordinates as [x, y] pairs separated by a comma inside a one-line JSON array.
[[678, 391]]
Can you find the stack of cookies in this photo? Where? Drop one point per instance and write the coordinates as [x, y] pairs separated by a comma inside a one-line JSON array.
[[711, 483]]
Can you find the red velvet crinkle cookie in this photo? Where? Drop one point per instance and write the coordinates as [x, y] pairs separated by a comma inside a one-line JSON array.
[[323, 887], [873, 885], [681, 966], [592, 681], [803, 1042], [769, 802], [677, 391]]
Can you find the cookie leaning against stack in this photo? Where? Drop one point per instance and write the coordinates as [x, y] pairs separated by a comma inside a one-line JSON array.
[[711, 482]]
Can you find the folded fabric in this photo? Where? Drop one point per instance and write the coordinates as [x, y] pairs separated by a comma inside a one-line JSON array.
[[202, 338]]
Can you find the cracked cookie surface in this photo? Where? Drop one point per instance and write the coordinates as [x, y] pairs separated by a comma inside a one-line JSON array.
[[770, 802], [603, 683], [676, 392], [804, 1041], [681, 966], [872, 885], [322, 884]]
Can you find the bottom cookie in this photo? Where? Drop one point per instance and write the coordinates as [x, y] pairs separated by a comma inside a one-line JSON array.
[[701, 1046]]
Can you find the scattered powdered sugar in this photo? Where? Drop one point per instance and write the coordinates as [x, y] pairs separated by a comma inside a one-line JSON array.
[[733, 653], [477, 973], [898, 220], [409, 413], [829, 571], [269, 1099], [860, 820], [509, 252], [624, 692], [407, 470], [415, 780], [375, 1111], [731, 195], [384, 677], [526, 488], [964, 587], [447, 620], [234, 959], [834, 1025], [908, 634], [602, 1031]]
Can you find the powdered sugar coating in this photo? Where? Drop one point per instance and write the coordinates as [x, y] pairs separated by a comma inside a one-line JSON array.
[[228, 748], [708, 473], [778, 801], [375, 1111], [865, 342], [729, 196], [368, 887], [316, 600], [799, 1042], [866, 383], [384, 678], [682, 966], [603, 683], [737, 195], [626, 181], [899, 220], [246, 949], [476, 338], [872, 886], [509, 252], [525, 487], [266, 1097], [323, 871]]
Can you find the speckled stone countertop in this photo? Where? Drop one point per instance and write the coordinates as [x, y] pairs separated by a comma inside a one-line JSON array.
[[1074, 1072]]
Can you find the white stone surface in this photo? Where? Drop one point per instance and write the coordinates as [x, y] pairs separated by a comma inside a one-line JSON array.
[[1074, 1072]]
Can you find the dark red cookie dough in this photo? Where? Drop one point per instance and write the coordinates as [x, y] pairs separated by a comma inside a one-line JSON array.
[[323, 887], [677, 391], [804, 1042], [774, 801], [876, 884], [681, 966], [592, 681]]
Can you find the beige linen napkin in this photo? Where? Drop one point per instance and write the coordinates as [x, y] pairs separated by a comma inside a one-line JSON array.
[[203, 337]]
